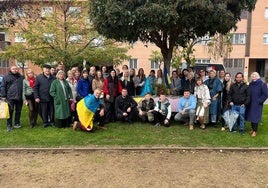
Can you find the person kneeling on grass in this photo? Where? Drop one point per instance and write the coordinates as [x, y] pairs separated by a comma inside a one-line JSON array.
[[88, 109], [125, 107], [186, 109], [146, 108], [162, 111]]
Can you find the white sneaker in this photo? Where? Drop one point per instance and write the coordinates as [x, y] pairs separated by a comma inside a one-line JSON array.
[[222, 129]]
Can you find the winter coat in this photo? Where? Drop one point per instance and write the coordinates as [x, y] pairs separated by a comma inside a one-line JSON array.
[[84, 87], [11, 87], [122, 104], [214, 86], [145, 105], [61, 98], [258, 94], [42, 86], [239, 94]]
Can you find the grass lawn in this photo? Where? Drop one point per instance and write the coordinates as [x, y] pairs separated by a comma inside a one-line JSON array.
[[137, 134]]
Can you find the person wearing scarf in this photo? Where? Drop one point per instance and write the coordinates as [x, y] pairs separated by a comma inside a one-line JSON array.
[[28, 97]]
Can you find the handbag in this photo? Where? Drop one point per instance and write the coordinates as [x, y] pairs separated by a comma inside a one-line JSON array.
[[4, 110]]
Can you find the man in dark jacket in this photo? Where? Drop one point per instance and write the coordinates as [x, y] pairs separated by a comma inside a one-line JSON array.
[[125, 107], [239, 97], [42, 96], [146, 108], [11, 90]]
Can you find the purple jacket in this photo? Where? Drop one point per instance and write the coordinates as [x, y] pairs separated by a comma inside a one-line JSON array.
[[258, 95]]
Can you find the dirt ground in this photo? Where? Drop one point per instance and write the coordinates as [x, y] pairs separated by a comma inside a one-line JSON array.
[[114, 169]]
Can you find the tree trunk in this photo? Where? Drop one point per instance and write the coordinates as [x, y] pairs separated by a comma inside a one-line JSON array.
[[167, 56]]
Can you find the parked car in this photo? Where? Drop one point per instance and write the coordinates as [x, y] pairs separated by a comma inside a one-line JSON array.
[[208, 67]]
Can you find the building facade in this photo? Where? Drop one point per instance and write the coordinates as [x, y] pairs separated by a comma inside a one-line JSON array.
[[249, 47]]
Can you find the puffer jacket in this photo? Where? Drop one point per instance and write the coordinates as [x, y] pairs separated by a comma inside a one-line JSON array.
[[11, 87]]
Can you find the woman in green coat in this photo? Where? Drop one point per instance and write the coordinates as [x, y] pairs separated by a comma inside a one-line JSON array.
[[62, 95]]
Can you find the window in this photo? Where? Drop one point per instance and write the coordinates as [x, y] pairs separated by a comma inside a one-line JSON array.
[[202, 61], [154, 65], [75, 38], [234, 63], [133, 63], [21, 64], [266, 13], [244, 14], [203, 40], [46, 11], [265, 38], [4, 63], [19, 13], [48, 37], [19, 37], [75, 11], [239, 38]]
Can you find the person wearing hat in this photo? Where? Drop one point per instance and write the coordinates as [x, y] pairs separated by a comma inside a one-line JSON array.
[[42, 96]]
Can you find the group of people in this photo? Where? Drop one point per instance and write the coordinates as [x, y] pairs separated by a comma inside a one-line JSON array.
[[102, 96]]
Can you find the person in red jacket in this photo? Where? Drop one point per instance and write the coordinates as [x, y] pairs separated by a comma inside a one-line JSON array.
[[111, 88]]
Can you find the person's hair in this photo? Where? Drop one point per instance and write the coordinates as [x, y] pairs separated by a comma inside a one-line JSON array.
[[96, 77], [161, 73], [197, 79], [29, 70], [256, 74], [84, 71], [227, 83], [187, 90], [152, 71], [238, 74], [125, 66], [162, 92], [60, 72], [141, 74]]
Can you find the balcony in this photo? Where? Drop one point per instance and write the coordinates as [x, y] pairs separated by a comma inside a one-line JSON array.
[[3, 45]]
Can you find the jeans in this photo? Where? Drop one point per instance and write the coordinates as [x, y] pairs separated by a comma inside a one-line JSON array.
[[17, 106], [188, 114], [241, 118]]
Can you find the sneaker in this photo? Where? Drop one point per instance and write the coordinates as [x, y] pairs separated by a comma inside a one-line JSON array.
[[17, 126], [222, 129], [191, 127], [9, 128], [157, 125], [242, 132]]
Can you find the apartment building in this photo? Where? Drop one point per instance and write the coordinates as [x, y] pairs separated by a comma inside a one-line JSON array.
[[249, 46]]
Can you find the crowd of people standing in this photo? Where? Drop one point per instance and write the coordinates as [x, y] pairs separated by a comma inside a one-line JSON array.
[[107, 96]]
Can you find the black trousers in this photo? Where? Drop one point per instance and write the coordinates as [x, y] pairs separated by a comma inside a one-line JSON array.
[[130, 115], [33, 108], [98, 118], [14, 105], [46, 110], [110, 112], [254, 126], [160, 118], [62, 123]]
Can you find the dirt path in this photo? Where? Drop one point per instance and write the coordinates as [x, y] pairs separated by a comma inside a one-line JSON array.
[[114, 169]]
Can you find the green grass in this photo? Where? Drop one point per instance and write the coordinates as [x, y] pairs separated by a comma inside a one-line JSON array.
[[138, 134]]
